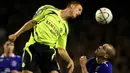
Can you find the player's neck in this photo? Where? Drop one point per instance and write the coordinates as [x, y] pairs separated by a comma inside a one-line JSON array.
[[65, 14], [100, 60], [8, 54]]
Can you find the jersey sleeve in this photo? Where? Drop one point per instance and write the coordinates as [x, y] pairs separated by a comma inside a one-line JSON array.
[[89, 63], [41, 12], [62, 41], [105, 69]]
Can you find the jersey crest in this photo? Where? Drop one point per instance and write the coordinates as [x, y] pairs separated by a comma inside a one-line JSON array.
[[14, 63]]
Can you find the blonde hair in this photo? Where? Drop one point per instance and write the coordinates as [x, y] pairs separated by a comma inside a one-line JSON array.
[[112, 52]]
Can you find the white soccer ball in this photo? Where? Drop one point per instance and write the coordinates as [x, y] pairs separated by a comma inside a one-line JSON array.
[[103, 15]]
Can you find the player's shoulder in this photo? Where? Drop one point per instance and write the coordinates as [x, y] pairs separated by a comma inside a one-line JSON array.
[[107, 64], [92, 58], [1, 58], [48, 7], [106, 67], [18, 56]]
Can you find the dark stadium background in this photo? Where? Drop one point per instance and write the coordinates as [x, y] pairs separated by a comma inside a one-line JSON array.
[[85, 33]]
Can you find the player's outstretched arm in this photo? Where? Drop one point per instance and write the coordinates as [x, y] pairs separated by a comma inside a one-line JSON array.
[[15, 71], [82, 62], [24, 28], [64, 54]]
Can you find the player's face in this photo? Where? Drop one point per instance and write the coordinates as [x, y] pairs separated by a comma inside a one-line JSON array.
[[76, 10], [102, 50], [8, 47]]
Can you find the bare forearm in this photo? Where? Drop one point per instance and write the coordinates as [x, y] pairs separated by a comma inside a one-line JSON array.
[[25, 27], [15, 71], [84, 69], [64, 54]]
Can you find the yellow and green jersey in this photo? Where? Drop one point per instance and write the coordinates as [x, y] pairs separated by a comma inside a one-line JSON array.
[[50, 29]]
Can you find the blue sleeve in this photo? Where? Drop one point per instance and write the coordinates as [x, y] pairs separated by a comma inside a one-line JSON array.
[[105, 69], [89, 63]]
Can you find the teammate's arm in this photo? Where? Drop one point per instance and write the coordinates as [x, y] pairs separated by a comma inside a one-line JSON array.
[[24, 28], [40, 13]]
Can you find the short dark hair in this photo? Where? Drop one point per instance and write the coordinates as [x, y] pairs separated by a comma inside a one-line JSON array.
[[73, 2]]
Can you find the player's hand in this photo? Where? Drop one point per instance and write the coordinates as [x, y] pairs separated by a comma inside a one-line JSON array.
[[12, 37], [70, 66], [83, 60]]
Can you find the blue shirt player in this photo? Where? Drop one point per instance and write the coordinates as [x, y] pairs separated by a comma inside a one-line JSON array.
[[99, 63], [9, 62]]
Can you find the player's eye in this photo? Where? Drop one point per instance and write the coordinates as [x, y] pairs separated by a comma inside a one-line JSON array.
[[104, 47], [7, 44], [80, 10]]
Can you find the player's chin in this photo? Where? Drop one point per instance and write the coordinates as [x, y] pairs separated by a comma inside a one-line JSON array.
[[74, 16]]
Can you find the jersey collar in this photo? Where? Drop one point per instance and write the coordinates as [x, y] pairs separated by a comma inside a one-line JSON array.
[[5, 56]]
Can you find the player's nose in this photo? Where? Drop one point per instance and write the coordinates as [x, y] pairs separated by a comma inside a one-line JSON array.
[[79, 13]]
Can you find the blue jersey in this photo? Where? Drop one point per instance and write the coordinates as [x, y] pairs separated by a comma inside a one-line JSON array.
[[7, 64], [94, 67]]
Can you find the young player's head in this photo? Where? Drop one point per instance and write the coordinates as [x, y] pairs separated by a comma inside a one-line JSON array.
[[106, 51], [8, 47], [75, 9]]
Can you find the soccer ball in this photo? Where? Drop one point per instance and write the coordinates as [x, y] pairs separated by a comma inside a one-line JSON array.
[[103, 15]]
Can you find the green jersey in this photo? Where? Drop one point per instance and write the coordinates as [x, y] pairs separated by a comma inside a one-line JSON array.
[[50, 29]]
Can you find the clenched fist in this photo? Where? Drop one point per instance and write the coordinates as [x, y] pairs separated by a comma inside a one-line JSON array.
[[12, 37], [82, 61]]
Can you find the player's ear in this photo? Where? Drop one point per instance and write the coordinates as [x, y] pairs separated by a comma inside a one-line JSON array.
[[72, 6], [106, 56]]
